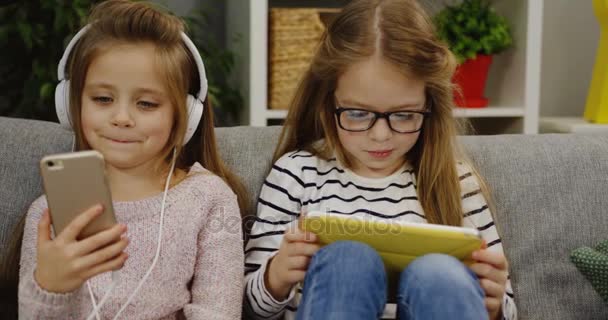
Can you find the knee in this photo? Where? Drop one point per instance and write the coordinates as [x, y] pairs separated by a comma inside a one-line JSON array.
[[439, 271], [350, 257]]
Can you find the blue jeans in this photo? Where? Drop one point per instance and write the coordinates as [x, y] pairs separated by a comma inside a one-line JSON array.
[[347, 280]]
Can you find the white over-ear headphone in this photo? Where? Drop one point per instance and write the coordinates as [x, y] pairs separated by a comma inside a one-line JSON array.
[[194, 104]]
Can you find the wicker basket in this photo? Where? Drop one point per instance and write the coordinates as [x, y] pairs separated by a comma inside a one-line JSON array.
[[293, 39]]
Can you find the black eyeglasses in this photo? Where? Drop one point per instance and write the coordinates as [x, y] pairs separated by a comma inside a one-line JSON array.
[[357, 120]]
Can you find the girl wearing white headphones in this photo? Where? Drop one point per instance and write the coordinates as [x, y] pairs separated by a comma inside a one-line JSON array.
[[133, 87]]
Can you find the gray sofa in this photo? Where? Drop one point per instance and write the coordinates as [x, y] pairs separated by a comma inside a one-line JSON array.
[[551, 195]]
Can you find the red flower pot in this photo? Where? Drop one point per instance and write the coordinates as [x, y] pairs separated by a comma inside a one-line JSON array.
[[471, 77]]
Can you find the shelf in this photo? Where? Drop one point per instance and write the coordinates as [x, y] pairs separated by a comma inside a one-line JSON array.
[[276, 114], [490, 112], [570, 125]]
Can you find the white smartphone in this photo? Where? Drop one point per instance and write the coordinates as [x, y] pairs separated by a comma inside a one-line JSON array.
[[74, 182]]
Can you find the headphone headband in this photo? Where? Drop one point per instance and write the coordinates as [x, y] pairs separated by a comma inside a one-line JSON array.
[[202, 91], [68, 50]]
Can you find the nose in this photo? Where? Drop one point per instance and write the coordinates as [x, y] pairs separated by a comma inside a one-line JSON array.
[[380, 131], [122, 117]]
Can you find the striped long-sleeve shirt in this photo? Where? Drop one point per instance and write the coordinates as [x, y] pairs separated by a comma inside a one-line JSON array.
[[301, 182]]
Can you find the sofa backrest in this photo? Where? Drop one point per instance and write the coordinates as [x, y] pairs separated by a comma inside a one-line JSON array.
[[22, 144], [550, 191], [551, 196]]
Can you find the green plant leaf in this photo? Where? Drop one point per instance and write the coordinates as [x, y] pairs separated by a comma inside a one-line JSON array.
[[4, 30], [46, 90], [25, 32], [472, 27]]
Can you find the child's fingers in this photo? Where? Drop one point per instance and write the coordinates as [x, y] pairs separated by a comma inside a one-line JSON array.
[[111, 265], [493, 304], [297, 235], [105, 254], [294, 227], [482, 270], [488, 271], [485, 270], [491, 288], [44, 227], [100, 239], [302, 249], [496, 259], [73, 229]]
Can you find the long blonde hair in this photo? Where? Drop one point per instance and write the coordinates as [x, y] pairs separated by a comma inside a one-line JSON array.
[[403, 34]]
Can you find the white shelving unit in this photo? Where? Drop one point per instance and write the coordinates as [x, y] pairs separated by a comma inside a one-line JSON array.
[[513, 84], [570, 125]]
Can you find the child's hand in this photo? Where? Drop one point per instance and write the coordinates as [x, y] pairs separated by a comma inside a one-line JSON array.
[[491, 269], [289, 265], [65, 263]]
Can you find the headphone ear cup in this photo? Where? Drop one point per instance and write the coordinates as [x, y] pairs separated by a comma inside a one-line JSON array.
[[62, 103], [195, 113]]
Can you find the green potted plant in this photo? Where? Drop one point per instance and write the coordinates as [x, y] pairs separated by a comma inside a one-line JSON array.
[[474, 33]]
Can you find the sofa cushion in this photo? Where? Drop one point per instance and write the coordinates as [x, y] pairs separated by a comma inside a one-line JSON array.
[[23, 144], [551, 195], [248, 152]]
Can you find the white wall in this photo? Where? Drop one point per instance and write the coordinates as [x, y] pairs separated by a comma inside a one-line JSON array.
[[570, 40], [215, 8], [180, 7]]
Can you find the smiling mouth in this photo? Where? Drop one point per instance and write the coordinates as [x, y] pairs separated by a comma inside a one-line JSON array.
[[121, 141]]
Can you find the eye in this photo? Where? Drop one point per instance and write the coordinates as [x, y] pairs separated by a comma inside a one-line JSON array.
[[354, 114], [102, 99], [404, 116], [147, 104]]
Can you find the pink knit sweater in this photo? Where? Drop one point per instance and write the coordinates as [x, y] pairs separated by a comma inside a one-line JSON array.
[[199, 273]]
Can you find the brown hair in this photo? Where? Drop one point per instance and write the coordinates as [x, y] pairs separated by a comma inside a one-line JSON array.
[[119, 21], [402, 33]]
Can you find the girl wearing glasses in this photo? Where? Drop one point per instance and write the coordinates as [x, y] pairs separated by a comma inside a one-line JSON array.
[[370, 133]]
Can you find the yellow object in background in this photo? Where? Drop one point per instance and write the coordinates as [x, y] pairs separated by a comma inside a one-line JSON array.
[[596, 109]]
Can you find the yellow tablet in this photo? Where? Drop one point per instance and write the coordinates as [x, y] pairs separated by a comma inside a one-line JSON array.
[[398, 243]]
